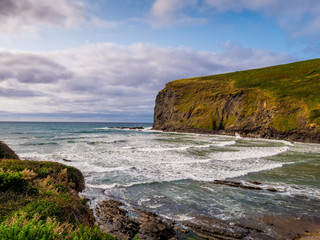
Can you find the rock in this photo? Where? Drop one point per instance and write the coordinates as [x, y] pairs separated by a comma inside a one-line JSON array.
[[294, 227], [272, 190], [149, 226], [236, 184], [258, 236], [153, 227], [250, 187], [255, 182], [211, 228], [136, 128], [228, 183], [130, 128], [6, 152], [115, 220]]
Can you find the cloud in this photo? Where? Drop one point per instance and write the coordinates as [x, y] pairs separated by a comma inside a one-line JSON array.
[[299, 17], [109, 79], [26, 16], [30, 68], [166, 13], [13, 93]]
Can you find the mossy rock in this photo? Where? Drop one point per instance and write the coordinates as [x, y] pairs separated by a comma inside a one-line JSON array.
[[6, 152]]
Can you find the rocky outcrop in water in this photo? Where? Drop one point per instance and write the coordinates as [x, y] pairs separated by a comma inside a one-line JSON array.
[[280, 102], [251, 186], [128, 128]]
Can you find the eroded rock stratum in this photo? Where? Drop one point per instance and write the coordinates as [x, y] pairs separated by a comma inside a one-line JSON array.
[[279, 102]]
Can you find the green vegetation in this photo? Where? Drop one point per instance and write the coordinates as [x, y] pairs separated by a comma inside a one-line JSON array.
[[285, 123], [39, 200], [283, 98], [19, 227]]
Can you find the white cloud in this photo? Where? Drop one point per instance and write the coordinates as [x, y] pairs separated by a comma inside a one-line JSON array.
[[19, 17], [30, 68], [110, 79], [166, 13]]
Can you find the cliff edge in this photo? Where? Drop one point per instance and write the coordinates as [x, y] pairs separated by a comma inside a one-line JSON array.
[[279, 102]]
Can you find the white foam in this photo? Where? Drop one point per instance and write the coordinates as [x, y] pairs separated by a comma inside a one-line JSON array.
[[103, 128], [293, 190], [249, 153], [142, 158], [134, 165], [237, 135], [183, 217], [224, 143], [102, 186], [162, 149]]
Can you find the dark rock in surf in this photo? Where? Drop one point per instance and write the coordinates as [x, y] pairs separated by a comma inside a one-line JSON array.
[[255, 182], [236, 184], [228, 183], [153, 227], [130, 128], [271, 190], [136, 128]]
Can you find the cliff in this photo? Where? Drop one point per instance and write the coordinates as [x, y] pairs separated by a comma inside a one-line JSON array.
[[279, 102]]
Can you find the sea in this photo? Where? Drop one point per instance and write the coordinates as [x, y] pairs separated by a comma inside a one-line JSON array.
[[173, 174]]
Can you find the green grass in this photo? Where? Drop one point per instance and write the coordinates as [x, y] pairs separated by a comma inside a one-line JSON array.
[[42, 200], [291, 90], [35, 229]]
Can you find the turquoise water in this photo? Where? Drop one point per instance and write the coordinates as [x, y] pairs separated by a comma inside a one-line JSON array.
[[172, 174]]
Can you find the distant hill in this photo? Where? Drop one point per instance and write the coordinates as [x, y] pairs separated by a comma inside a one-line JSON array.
[[281, 102]]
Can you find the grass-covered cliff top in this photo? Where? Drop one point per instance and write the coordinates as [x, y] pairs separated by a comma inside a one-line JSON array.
[[299, 80], [39, 200], [291, 92]]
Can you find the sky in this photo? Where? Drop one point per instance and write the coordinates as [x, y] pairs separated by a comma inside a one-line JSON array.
[[106, 60]]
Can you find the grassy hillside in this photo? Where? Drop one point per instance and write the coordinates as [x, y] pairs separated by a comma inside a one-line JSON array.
[[280, 98], [39, 200]]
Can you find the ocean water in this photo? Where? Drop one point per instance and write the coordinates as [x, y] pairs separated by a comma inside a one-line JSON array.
[[172, 174]]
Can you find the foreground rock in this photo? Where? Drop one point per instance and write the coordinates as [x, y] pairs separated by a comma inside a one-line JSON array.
[[277, 102], [147, 226], [113, 219]]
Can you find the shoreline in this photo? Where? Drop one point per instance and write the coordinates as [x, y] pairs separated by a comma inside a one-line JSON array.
[[247, 135], [114, 217]]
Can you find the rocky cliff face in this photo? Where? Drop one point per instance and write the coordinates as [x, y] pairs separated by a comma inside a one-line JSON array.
[[248, 103]]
